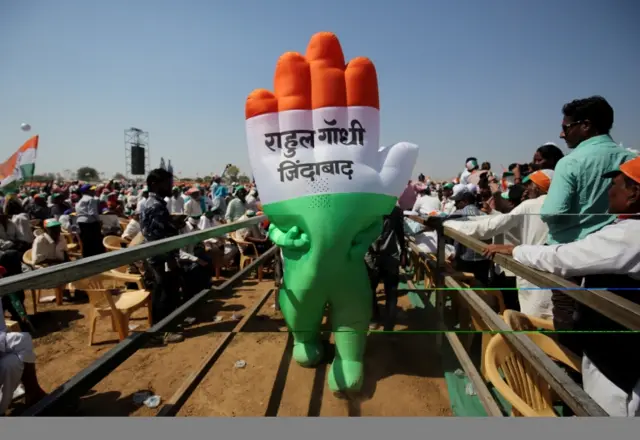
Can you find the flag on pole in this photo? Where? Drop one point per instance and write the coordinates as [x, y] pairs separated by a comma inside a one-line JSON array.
[[21, 165]]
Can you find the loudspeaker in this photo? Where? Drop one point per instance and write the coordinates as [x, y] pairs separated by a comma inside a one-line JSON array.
[[137, 160]]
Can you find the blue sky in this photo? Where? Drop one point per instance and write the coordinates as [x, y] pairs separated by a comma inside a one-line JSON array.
[[485, 78]]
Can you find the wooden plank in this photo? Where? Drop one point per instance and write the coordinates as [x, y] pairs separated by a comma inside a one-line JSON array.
[[484, 394], [173, 405], [613, 306], [64, 273], [560, 382]]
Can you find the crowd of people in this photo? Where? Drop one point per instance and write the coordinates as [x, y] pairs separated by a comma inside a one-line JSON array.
[[573, 215], [152, 211]]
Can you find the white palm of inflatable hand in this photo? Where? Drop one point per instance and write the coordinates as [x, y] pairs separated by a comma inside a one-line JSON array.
[[319, 133]]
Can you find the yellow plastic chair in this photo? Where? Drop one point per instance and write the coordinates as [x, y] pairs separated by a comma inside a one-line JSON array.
[[27, 258], [74, 245], [113, 243], [527, 392], [246, 259], [107, 300]]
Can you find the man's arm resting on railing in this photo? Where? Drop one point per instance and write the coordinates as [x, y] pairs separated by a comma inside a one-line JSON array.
[[612, 250]]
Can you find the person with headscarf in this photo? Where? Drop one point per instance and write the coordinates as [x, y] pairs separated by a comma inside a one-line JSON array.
[[219, 195]]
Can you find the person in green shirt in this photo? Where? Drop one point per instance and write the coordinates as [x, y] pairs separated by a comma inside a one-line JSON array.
[[577, 199]]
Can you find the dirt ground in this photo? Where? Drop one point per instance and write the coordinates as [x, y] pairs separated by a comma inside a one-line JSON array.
[[403, 371]]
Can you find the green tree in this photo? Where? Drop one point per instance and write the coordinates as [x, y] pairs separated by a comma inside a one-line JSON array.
[[119, 176], [243, 179], [88, 174], [232, 172]]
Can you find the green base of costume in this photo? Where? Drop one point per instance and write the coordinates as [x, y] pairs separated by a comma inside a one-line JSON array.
[[325, 265]]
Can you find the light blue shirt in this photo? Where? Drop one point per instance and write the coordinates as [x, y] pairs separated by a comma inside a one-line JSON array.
[[578, 188]]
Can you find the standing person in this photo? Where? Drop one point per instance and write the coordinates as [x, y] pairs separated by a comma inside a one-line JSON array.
[[426, 203], [466, 259], [144, 196], [607, 259], [522, 225], [577, 202], [471, 165], [383, 260], [163, 269], [219, 195], [88, 220], [547, 157], [410, 194]]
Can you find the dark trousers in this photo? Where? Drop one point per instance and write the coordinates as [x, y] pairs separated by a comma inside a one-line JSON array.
[[390, 277], [91, 237], [479, 269], [165, 294], [507, 286]]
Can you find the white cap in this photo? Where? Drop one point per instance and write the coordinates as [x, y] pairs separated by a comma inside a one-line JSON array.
[[472, 188]]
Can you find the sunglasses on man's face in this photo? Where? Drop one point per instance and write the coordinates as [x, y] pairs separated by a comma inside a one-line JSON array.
[[566, 127]]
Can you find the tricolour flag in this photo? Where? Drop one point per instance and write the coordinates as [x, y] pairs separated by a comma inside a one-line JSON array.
[[21, 165]]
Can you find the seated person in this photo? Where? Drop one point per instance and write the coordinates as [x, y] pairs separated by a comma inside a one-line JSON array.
[[110, 223], [17, 365], [38, 210], [222, 251], [252, 234], [15, 212], [50, 247], [133, 227]]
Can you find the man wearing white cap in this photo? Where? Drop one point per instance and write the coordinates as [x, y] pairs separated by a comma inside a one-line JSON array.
[[524, 226]]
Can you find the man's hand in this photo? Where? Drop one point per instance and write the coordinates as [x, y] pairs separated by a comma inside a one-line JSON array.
[[493, 249]]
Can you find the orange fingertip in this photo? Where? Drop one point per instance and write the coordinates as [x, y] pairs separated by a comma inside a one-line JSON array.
[[362, 83], [324, 48], [326, 60], [260, 102], [292, 82]]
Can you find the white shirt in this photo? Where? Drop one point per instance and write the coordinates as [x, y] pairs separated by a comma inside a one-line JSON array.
[[141, 203], [175, 205], [448, 206], [192, 208], [45, 249], [132, 229], [251, 203], [464, 177], [426, 204], [614, 249], [521, 226], [23, 225]]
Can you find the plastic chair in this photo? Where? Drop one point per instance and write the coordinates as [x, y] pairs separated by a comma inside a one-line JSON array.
[[527, 392], [27, 258], [104, 303], [113, 243], [74, 245], [38, 232], [246, 259]]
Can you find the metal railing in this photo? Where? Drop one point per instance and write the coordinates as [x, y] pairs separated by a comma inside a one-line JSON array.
[[56, 402], [607, 303]]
